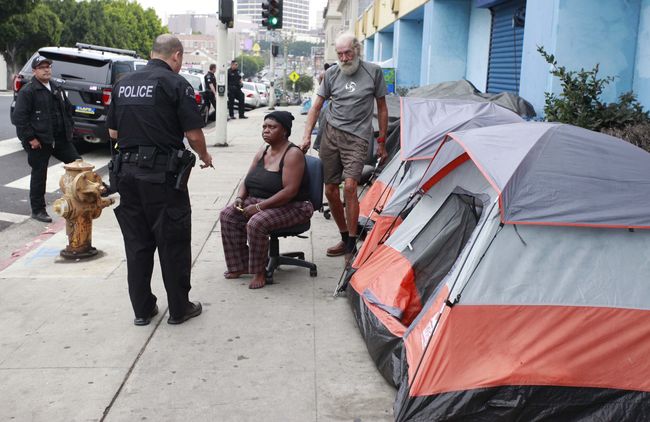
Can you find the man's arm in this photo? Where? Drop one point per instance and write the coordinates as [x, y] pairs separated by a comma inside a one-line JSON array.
[[312, 117], [382, 117], [22, 115], [197, 141]]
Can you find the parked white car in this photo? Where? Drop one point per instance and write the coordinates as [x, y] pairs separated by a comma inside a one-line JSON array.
[[251, 97], [263, 91]]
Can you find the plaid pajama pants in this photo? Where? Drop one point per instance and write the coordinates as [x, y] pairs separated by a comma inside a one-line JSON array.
[[236, 230]]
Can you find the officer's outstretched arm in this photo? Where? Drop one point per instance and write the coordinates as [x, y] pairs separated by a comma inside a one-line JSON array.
[[197, 142]]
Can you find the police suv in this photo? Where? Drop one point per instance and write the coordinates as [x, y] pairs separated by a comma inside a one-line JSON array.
[[87, 73]]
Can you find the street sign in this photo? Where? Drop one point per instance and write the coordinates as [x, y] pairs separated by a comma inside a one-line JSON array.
[[294, 77]]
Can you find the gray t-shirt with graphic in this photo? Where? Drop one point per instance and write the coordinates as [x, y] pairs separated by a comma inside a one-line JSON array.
[[352, 97]]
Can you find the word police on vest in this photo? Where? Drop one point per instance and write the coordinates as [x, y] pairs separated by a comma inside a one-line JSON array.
[[137, 93]]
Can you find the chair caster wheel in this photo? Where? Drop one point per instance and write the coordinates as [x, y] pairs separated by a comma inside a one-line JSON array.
[[313, 273]]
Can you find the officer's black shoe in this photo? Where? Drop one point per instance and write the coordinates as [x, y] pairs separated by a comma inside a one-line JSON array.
[[42, 216], [243, 117], [146, 320], [193, 310]]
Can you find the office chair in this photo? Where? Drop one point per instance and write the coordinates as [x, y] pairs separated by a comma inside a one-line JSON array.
[[314, 168]]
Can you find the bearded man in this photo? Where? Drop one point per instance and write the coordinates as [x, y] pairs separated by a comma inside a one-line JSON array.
[[351, 87]]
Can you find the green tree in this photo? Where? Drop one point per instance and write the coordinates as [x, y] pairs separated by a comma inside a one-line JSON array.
[[22, 34], [304, 84], [112, 23], [8, 8], [250, 65], [301, 48]]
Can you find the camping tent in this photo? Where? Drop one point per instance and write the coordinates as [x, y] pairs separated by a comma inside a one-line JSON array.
[[516, 289], [424, 124]]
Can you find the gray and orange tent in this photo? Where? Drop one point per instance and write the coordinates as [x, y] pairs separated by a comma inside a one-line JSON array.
[[517, 288], [424, 123]]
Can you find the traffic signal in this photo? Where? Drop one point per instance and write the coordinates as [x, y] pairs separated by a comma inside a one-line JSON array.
[[226, 12], [272, 14]]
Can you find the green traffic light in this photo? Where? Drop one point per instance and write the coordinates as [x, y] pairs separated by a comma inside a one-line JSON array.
[[273, 20]]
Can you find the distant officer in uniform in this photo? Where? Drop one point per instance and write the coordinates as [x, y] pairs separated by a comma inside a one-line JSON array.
[[235, 92], [43, 119], [151, 110], [211, 87]]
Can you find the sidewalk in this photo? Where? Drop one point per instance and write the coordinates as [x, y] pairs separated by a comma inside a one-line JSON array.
[[288, 352]]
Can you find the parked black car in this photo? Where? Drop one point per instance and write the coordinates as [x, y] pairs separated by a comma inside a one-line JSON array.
[[197, 80], [88, 73]]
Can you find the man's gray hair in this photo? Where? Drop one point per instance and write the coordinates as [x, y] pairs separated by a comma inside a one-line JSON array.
[[165, 45], [348, 39]]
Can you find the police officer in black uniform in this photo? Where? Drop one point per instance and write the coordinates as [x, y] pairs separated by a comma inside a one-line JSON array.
[[43, 119], [152, 108], [211, 86], [235, 92]]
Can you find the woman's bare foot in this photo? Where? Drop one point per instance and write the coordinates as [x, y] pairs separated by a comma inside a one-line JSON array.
[[233, 274], [258, 281]]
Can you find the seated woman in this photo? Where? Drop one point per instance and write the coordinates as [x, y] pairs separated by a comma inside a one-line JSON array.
[[274, 195]]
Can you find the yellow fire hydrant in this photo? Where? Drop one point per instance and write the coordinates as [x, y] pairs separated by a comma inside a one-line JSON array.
[[80, 204]]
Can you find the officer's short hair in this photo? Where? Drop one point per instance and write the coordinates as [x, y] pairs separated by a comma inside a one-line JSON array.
[[213, 66], [166, 44]]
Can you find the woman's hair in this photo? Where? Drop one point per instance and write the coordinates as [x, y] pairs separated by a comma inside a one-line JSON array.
[[283, 117]]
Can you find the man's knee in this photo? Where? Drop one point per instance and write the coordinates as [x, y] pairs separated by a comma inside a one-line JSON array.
[[332, 190], [350, 188]]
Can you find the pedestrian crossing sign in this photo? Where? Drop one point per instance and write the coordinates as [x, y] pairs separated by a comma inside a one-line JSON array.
[[294, 77]]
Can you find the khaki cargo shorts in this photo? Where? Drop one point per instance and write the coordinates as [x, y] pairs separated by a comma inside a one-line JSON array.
[[343, 155]]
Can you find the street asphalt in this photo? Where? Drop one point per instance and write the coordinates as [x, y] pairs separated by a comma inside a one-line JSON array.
[[288, 352]]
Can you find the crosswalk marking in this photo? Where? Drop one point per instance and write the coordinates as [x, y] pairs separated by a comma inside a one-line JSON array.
[[9, 146], [12, 218], [54, 173]]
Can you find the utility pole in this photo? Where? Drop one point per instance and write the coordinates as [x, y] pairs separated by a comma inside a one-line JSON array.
[[283, 99], [272, 79], [221, 116]]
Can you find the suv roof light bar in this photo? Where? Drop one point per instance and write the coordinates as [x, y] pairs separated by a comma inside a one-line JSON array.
[[132, 53]]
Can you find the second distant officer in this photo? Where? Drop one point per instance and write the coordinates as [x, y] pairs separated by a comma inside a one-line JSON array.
[[151, 111], [235, 92]]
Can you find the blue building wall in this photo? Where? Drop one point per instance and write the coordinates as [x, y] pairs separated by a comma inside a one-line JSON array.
[[384, 45], [407, 52], [641, 84], [369, 49], [478, 47], [579, 35], [444, 44]]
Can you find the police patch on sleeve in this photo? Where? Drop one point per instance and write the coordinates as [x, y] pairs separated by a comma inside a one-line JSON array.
[[189, 91], [136, 92]]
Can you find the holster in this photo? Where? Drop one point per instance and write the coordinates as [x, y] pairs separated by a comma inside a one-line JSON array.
[[114, 167], [181, 163]]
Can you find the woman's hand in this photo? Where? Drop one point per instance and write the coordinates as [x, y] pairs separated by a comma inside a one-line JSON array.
[[252, 209], [239, 204]]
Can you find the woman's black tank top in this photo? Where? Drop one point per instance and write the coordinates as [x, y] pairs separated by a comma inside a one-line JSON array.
[[262, 183]]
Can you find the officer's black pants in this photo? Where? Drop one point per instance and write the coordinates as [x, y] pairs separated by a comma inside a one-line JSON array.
[[236, 94], [38, 160], [155, 215]]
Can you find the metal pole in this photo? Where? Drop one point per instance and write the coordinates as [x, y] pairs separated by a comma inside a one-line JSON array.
[[272, 79], [283, 99], [221, 114]]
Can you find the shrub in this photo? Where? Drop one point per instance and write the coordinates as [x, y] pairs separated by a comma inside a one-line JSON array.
[[579, 102]]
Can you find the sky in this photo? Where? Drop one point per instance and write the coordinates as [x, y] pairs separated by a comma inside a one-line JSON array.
[[164, 8]]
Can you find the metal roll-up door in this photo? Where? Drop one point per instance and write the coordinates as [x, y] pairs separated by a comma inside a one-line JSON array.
[[506, 42]]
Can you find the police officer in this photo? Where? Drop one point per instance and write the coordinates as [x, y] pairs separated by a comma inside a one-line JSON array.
[[43, 119], [211, 86], [151, 110], [235, 92]]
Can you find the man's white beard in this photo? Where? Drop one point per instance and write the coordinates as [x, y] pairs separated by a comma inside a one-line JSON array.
[[351, 67]]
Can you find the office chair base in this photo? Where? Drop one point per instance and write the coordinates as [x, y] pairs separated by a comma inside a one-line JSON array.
[[296, 259]]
